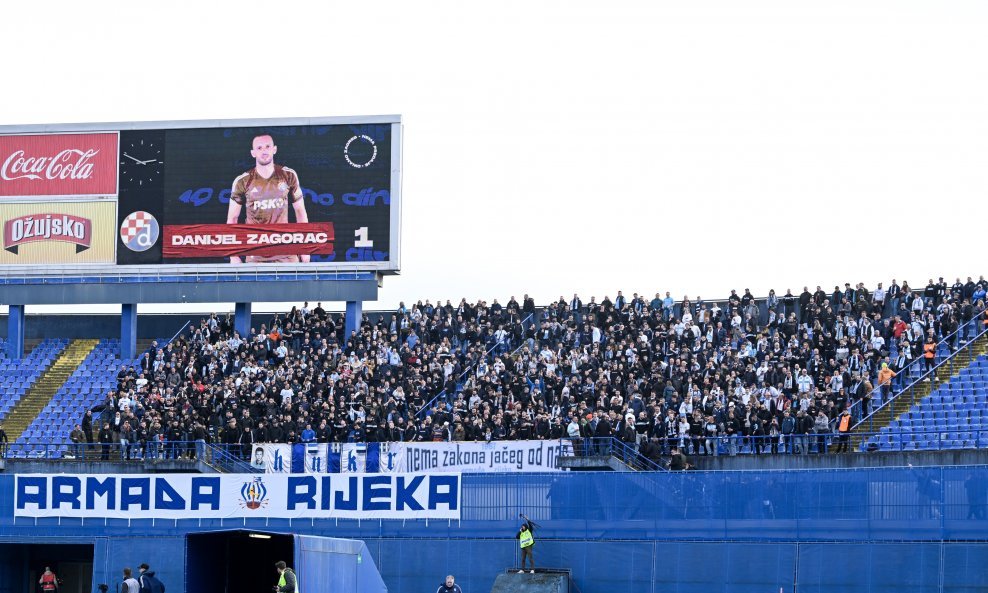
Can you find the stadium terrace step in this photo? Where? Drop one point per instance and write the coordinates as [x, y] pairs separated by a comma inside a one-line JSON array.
[[606, 454], [144, 344], [42, 391], [594, 463], [918, 394]]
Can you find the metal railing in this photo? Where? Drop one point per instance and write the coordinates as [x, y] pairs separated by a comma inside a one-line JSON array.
[[907, 395], [628, 453], [472, 367], [831, 442], [228, 458], [177, 334], [236, 458]]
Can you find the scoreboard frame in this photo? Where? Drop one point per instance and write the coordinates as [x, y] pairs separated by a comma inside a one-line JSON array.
[[392, 265]]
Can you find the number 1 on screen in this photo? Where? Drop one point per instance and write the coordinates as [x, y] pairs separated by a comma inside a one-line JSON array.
[[362, 240]]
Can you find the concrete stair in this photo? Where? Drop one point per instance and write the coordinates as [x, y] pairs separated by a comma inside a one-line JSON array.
[[543, 581], [44, 389], [889, 414]]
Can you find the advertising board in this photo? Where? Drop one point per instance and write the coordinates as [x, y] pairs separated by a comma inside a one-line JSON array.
[[303, 194]]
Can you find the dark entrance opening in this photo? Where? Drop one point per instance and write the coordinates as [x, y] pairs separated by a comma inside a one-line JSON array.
[[235, 561], [21, 566]]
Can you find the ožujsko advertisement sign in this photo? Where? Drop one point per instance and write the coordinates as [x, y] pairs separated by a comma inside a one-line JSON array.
[[57, 232]]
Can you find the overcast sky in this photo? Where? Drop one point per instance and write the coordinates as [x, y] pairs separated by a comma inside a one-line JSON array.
[[561, 147]]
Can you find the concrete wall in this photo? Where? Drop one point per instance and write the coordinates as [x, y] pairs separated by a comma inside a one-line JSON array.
[[850, 460]]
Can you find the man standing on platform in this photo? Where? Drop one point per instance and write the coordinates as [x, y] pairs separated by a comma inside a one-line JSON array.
[[527, 542]]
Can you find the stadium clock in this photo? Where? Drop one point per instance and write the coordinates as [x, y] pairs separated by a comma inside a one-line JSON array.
[[140, 163]]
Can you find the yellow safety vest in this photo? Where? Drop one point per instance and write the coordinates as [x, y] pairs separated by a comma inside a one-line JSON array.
[[526, 539], [282, 582]]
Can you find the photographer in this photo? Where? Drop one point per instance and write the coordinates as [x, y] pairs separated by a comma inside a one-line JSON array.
[[527, 542]]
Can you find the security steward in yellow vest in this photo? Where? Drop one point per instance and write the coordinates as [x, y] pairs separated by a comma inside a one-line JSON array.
[[527, 542], [287, 583]]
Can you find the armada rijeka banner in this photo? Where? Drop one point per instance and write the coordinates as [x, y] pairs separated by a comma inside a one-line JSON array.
[[409, 496], [58, 165]]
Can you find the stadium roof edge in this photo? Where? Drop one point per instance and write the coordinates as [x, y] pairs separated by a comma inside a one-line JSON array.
[[199, 123]]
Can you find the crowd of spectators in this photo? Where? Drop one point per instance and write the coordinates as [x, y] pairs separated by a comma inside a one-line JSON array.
[[743, 374]]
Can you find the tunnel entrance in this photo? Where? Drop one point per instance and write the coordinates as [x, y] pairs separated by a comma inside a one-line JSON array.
[[21, 566], [235, 561]]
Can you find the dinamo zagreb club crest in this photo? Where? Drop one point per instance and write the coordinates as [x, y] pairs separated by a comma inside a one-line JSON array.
[[139, 231]]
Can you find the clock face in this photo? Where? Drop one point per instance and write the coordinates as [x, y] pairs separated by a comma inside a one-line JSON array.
[[140, 162]]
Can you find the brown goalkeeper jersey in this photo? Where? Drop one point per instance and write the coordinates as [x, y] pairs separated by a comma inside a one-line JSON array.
[[267, 200]]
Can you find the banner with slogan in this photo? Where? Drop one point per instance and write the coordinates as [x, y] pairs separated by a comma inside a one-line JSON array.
[[235, 496], [464, 457]]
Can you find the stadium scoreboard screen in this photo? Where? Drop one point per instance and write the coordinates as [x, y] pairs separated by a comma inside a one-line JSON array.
[[183, 197]]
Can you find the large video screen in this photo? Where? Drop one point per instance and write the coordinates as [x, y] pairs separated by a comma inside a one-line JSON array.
[[272, 194]]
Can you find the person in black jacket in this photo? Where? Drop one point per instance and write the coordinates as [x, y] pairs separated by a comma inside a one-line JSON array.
[[87, 426], [678, 461], [105, 438], [603, 433], [147, 581], [287, 581], [449, 586]]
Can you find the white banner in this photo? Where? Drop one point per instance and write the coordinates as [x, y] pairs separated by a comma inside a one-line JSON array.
[[272, 458], [475, 457], [462, 457], [228, 496]]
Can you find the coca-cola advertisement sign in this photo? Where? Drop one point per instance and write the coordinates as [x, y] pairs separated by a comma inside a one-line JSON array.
[[58, 165]]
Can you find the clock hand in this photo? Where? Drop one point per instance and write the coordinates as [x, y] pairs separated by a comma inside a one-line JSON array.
[[151, 161], [132, 158]]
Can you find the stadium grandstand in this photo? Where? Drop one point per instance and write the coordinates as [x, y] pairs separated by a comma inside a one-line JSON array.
[[742, 375]]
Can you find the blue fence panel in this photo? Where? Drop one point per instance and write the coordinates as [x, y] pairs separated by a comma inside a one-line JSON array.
[[166, 555], [965, 567], [872, 567], [412, 566], [716, 567], [879, 503]]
